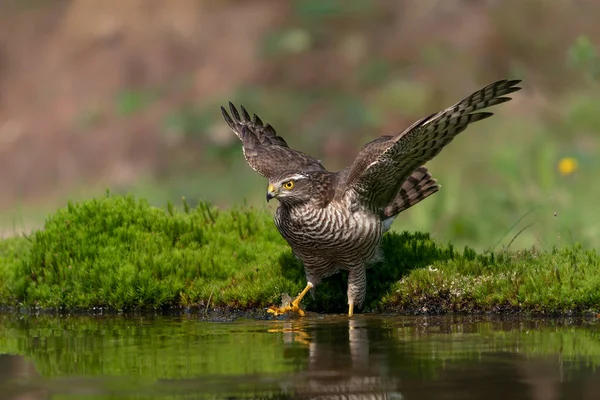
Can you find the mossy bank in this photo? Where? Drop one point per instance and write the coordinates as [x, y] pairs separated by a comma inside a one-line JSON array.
[[117, 252]]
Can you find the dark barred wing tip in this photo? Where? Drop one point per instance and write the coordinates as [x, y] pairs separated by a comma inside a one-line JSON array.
[[244, 119], [499, 88], [228, 119], [507, 86], [503, 99], [245, 115], [482, 115], [234, 112]]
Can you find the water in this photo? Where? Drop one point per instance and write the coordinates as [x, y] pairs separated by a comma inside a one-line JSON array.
[[161, 357]]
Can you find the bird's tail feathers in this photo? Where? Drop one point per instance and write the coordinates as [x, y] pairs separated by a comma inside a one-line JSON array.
[[419, 185]]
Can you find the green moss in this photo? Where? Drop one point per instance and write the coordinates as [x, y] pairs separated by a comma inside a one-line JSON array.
[[11, 251], [121, 253], [559, 281]]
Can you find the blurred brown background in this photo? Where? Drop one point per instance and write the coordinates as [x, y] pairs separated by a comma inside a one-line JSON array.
[[125, 95]]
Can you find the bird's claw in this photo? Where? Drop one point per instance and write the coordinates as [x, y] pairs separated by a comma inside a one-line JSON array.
[[292, 307]]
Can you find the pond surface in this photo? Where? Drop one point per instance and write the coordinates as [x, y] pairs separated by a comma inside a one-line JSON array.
[[369, 356]]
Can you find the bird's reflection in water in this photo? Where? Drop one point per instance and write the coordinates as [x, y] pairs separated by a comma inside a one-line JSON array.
[[340, 361]]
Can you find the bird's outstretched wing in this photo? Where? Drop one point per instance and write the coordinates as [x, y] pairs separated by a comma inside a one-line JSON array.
[[384, 164], [265, 151]]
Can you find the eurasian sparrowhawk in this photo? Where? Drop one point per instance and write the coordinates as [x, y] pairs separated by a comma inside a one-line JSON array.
[[335, 220]]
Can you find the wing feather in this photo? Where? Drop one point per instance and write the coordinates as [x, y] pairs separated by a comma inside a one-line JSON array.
[[265, 151], [383, 165]]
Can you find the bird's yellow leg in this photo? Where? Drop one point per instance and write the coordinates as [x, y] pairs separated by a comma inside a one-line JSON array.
[[294, 306], [350, 309]]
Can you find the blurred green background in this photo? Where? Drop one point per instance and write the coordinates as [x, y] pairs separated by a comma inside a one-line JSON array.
[[125, 95]]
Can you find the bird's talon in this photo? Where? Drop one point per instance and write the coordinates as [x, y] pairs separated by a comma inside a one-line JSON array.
[[290, 308]]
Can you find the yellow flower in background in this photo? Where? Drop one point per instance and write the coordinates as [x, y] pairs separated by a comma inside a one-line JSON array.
[[567, 165]]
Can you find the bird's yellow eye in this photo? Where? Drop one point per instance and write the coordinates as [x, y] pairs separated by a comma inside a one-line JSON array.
[[289, 185]]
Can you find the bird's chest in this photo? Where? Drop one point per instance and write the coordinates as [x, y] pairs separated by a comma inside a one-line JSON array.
[[334, 229]]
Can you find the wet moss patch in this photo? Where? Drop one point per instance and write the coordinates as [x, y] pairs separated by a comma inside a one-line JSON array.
[[559, 281], [117, 252]]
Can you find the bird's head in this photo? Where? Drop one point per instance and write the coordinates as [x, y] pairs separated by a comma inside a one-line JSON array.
[[290, 188]]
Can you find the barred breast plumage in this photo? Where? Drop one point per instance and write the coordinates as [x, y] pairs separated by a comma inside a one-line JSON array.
[[331, 239], [335, 221]]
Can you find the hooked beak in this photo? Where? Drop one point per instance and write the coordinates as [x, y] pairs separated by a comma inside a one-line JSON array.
[[271, 192]]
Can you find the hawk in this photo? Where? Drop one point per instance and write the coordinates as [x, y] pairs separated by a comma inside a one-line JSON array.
[[335, 220]]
